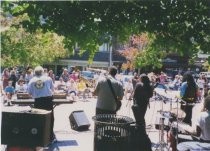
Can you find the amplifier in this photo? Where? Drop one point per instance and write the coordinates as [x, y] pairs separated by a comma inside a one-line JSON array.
[[26, 128]]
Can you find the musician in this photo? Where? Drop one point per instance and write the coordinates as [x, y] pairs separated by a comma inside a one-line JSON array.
[[106, 101], [41, 88], [142, 93], [203, 125], [188, 93], [202, 129]]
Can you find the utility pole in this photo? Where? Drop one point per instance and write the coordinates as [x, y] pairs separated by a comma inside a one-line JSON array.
[[110, 51]]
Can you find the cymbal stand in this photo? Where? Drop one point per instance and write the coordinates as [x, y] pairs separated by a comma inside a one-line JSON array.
[[177, 120], [162, 145]]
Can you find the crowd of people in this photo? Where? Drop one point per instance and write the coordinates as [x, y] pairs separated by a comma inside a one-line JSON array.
[[74, 85], [41, 84]]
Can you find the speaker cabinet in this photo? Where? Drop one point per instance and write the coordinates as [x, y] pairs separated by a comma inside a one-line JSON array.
[[26, 128], [79, 121]]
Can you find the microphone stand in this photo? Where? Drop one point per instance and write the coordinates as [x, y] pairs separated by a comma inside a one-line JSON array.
[[162, 143]]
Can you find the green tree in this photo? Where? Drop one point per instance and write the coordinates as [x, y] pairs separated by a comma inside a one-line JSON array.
[[178, 26], [22, 48]]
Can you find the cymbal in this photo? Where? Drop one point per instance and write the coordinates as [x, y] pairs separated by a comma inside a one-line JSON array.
[[188, 104], [164, 116]]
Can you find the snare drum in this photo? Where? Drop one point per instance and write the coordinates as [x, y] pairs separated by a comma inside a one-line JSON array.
[[163, 118]]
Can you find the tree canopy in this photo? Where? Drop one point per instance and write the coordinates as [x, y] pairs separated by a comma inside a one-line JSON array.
[[178, 26], [19, 47]]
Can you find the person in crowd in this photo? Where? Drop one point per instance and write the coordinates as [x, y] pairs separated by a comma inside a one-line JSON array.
[[28, 75], [41, 88], [106, 103], [163, 78], [51, 75], [142, 94], [17, 74], [128, 86], [152, 77], [205, 91], [201, 84], [5, 77], [74, 75], [46, 72], [72, 89], [82, 88], [188, 93], [21, 87], [9, 92], [61, 85], [135, 79], [159, 85], [201, 129], [176, 83], [13, 78], [65, 75]]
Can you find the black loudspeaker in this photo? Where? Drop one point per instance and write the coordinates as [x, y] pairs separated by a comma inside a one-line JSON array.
[[26, 128], [79, 121]]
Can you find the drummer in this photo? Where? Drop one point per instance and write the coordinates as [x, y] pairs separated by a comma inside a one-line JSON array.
[[202, 128]]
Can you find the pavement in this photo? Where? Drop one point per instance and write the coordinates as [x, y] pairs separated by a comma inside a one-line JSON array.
[[71, 140]]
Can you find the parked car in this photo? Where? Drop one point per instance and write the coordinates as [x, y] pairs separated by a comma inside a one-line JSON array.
[[89, 75]]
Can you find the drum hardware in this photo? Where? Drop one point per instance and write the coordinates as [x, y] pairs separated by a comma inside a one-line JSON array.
[[162, 145], [177, 124]]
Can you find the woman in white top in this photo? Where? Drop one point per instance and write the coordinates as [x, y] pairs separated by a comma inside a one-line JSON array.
[[72, 89], [21, 86]]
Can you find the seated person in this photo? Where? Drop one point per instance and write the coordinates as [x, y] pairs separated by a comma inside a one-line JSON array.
[[82, 88], [72, 89], [61, 85], [9, 92], [21, 86], [202, 126]]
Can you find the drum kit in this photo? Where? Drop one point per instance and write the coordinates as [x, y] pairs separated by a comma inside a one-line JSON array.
[[165, 121]]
